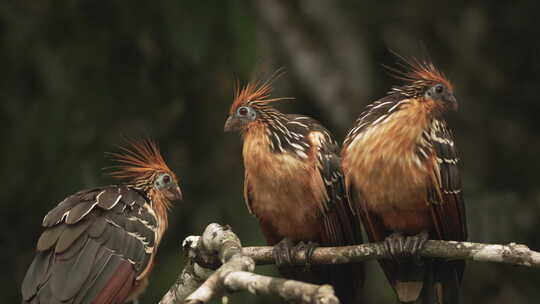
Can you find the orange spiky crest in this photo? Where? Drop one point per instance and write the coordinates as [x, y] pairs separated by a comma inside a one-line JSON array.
[[140, 159], [419, 72], [257, 91], [141, 163]]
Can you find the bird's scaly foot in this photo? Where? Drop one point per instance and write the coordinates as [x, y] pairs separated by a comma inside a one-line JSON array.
[[308, 249], [399, 246], [415, 243], [394, 245], [283, 252]]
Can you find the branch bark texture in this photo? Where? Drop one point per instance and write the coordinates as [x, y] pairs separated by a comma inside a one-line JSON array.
[[219, 248], [234, 274], [514, 254]]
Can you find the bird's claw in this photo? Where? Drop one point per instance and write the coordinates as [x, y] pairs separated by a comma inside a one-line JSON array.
[[308, 249], [398, 246], [283, 252], [394, 245], [416, 243]]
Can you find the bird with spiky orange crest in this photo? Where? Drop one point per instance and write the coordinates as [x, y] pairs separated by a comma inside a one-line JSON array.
[[99, 244], [294, 186], [401, 170]]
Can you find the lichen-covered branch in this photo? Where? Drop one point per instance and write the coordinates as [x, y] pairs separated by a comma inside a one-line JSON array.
[[287, 289], [220, 248], [191, 277], [234, 274], [514, 254]]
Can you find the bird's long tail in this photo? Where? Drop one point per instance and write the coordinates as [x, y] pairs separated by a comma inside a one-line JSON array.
[[431, 282]]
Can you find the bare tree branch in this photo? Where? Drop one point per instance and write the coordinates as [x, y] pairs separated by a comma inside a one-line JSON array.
[[289, 290], [514, 254], [220, 246], [234, 274], [191, 277]]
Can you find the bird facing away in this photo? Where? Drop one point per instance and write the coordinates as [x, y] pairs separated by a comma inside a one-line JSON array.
[[401, 170], [294, 186], [99, 244]]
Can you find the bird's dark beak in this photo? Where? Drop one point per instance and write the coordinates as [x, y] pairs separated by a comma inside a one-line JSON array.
[[173, 193], [232, 124], [451, 101]]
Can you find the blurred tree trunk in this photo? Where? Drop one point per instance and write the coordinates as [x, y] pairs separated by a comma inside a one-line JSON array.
[[328, 59]]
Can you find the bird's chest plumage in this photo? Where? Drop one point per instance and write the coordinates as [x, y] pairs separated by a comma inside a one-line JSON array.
[[282, 192], [384, 164]]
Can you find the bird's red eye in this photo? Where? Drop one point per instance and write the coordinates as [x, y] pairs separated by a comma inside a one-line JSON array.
[[243, 111], [163, 181]]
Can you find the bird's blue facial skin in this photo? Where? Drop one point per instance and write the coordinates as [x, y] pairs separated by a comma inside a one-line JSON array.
[[164, 180], [247, 113], [441, 93]]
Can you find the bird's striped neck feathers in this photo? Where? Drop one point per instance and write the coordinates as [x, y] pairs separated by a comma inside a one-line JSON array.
[[419, 76], [140, 165], [284, 133]]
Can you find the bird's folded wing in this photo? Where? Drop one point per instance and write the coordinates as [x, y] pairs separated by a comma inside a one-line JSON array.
[[95, 244]]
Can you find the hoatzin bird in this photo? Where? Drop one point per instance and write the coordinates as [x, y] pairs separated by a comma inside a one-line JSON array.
[[99, 244], [294, 186], [401, 170]]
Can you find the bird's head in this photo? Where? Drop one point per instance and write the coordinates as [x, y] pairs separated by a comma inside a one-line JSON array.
[[251, 105], [427, 84], [142, 167]]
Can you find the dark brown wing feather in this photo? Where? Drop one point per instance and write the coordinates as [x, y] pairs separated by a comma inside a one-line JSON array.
[[448, 205], [448, 210], [341, 227], [119, 285], [96, 242], [340, 221], [374, 227], [247, 192]]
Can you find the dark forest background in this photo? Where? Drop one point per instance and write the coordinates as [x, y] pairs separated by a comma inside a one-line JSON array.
[[78, 75]]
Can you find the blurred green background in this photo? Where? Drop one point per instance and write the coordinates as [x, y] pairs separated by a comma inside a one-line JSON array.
[[78, 75]]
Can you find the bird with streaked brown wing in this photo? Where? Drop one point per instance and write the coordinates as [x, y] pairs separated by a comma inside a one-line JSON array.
[[99, 244], [294, 186], [401, 170]]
